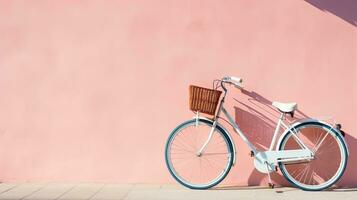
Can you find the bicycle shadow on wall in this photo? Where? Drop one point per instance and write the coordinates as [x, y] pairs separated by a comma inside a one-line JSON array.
[[346, 9], [258, 120]]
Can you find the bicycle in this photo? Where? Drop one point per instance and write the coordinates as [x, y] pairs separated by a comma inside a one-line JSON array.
[[311, 154]]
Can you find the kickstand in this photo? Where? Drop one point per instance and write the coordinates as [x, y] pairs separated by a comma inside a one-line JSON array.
[[271, 184]]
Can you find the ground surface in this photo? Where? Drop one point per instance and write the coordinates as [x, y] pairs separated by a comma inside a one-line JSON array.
[[78, 191]]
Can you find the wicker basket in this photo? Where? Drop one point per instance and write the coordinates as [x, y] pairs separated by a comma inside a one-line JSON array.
[[204, 100]]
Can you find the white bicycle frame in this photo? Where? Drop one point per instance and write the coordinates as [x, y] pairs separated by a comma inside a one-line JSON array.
[[265, 161]]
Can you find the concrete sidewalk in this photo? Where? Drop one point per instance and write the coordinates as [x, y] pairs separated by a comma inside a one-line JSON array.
[[48, 191]]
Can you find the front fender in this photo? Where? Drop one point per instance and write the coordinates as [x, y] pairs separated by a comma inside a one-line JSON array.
[[303, 121]]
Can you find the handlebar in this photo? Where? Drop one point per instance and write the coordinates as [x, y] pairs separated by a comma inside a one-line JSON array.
[[236, 81]]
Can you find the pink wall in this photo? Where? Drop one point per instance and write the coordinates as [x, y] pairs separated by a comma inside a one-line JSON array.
[[90, 90]]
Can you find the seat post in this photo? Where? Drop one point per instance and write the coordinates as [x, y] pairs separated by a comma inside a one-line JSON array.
[[281, 118]]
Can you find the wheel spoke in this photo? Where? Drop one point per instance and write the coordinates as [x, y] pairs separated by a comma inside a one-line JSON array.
[[317, 146]]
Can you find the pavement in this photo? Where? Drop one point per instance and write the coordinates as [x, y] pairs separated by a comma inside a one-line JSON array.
[[96, 191]]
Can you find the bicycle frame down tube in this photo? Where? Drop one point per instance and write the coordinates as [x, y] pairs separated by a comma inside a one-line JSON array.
[[237, 129]]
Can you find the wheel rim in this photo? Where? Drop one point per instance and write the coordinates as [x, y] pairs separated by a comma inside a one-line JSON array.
[[328, 163], [198, 171]]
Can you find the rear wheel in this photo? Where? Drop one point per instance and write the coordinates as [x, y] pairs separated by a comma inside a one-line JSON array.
[[198, 171], [330, 156]]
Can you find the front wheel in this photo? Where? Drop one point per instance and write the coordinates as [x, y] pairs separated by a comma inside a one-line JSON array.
[[198, 171], [330, 156]]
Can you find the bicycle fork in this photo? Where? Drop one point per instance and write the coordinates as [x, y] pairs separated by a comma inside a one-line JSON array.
[[199, 152]]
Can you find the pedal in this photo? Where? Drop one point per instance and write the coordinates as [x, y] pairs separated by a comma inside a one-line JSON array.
[[271, 185]]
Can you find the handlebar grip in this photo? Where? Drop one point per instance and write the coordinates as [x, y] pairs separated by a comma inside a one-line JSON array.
[[236, 81]]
